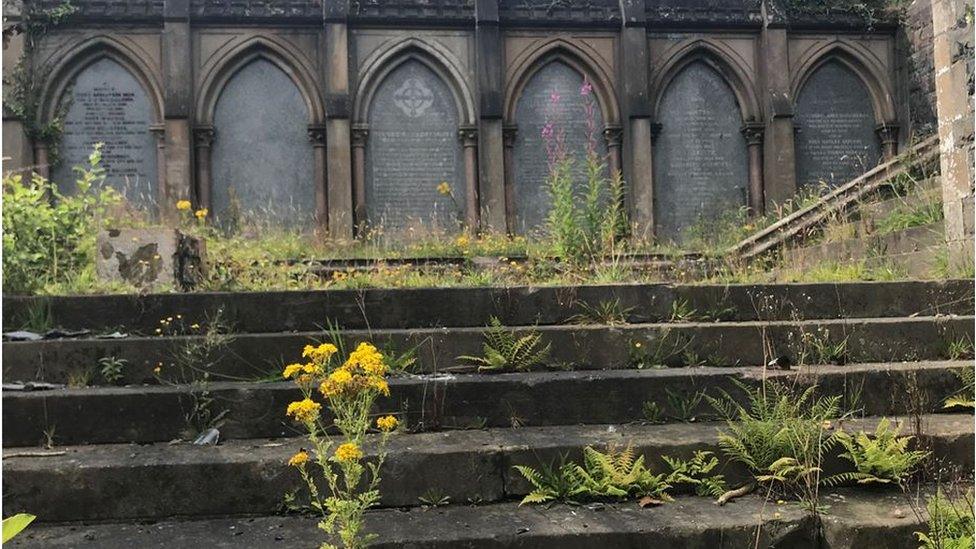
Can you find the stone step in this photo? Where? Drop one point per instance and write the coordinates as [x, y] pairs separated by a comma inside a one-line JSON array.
[[129, 482], [257, 312], [869, 247], [856, 520], [145, 414], [261, 356]]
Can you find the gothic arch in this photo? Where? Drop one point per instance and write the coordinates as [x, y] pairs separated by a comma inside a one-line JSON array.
[[239, 56], [79, 56], [860, 62], [723, 62], [572, 55], [432, 55]]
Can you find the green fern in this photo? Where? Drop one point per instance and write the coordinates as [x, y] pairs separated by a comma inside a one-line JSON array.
[[965, 397], [695, 472], [883, 458], [553, 482], [505, 351], [951, 523]]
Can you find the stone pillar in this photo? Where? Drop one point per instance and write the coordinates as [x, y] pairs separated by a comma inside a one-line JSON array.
[[469, 141], [634, 156], [508, 137], [888, 137], [492, 182], [159, 132], [779, 154], [17, 150], [953, 54], [176, 181], [754, 141], [359, 136], [202, 140], [42, 161], [337, 124], [316, 134], [613, 135]]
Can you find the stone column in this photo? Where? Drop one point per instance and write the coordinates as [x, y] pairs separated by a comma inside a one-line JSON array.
[[176, 181], [508, 138], [952, 32], [18, 151], [613, 135], [159, 132], [779, 154], [202, 140], [491, 174], [338, 128], [634, 156], [316, 134], [469, 141], [753, 133], [359, 137], [42, 159], [888, 137]]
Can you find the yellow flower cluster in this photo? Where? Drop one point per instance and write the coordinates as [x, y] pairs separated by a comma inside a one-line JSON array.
[[348, 452], [365, 369], [201, 213], [304, 410], [293, 369], [298, 459], [387, 423], [444, 188], [183, 205], [321, 353]]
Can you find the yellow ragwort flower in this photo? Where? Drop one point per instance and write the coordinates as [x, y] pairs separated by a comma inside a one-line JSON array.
[[348, 452], [367, 358], [291, 370], [321, 353], [298, 459], [201, 213], [387, 423], [379, 384], [183, 205], [304, 410], [444, 188]]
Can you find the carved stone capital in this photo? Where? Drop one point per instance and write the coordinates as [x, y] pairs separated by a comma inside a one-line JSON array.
[[887, 134], [509, 133], [316, 135], [468, 136], [613, 135], [203, 136], [753, 132], [359, 135]]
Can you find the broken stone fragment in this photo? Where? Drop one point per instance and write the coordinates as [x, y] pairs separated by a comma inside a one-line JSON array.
[[155, 258]]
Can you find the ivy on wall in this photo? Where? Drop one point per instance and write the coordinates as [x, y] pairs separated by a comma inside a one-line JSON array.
[[22, 86], [870, 10]]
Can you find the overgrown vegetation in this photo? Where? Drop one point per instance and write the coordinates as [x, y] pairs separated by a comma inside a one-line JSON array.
[[881, 458], [950, 522]]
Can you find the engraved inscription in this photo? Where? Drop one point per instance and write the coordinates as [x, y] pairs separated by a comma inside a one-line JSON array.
[[835, 139], [413, 146], [700, 161], [552, 95], [106, 104]]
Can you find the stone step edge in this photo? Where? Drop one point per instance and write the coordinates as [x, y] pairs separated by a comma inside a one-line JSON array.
[[154, 413], [110, 482], [856, 520]]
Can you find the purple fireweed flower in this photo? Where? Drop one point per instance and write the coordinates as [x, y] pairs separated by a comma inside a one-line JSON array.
[[554, 97], [547, 131], [587, 88]]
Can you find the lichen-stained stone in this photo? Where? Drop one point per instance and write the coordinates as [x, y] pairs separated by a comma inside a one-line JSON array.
[[150, 259]]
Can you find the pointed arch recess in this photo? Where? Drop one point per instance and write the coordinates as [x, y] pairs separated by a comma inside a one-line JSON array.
[[240, 55], [860, 62], [395, 53], [79, 56], [723, 62], [572, 55]]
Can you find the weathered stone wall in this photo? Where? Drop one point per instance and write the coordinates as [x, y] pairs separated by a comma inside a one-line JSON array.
[[917, 68], [479, 56], [952, 22]]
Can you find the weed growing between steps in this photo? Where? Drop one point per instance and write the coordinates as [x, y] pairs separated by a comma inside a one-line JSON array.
[[349, 389], [951, 523]]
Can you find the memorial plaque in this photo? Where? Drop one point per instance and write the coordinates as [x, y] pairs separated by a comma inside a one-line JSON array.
[[106, 104], [701, 167], [834, 121], [413, 147], [262, 159], [552, 96]]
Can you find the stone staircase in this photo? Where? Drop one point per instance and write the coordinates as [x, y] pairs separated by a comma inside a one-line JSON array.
[[118, 476]]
